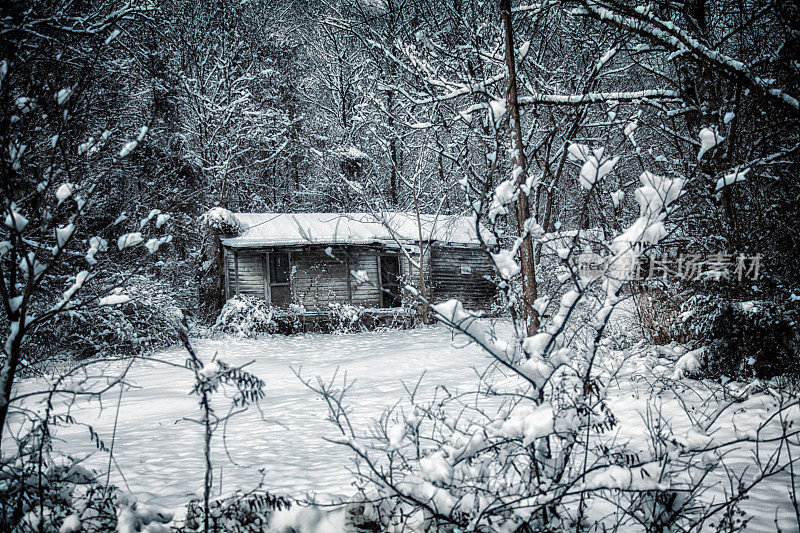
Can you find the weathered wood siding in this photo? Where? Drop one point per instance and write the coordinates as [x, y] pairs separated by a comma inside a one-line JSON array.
[[251, 272], [318, 280], [410, 272], [462, 273], [365, 294]]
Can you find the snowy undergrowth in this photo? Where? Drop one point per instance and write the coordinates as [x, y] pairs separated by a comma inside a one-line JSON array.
[[137, 317], [246, 316], [549, 451], [298, 461], [678, 451]]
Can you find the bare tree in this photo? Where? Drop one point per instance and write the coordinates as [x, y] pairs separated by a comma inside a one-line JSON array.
[[520, 170]]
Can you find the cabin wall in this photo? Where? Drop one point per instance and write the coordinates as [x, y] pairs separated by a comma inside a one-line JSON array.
[[251, 273], [318, 280], [462, 273], [365, 294], [410, 272]]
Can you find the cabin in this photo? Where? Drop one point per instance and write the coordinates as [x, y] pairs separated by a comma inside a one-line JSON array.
[[314, 260]]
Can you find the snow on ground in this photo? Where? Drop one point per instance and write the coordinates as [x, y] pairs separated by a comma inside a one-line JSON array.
[[158, 451]]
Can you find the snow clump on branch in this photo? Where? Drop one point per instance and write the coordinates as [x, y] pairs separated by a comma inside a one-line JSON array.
[[595, 166], [221, 219]]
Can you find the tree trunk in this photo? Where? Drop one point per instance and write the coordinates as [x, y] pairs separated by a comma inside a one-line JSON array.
[[529, 286], [211, 282], [393, 151], [7, 375]]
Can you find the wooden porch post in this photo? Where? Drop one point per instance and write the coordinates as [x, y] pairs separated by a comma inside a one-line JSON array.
[[264, 274], [226, 267], [291, 279], [267, 279], [347, 275], [236, 269], [380, 278]]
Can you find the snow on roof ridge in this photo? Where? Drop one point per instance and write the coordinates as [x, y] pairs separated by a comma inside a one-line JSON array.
[[264, 229]]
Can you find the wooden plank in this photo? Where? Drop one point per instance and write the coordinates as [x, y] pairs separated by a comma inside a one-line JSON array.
[[225, 260], [265, 272], [347, 275], [380, 281], [367, 294], [291, 281], [236, 269], [451, 280], [267, 280]]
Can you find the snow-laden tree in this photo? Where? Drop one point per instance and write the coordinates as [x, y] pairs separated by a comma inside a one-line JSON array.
[[68, 131], [61, 148], [616, 143], [656, 84], [233, 75]]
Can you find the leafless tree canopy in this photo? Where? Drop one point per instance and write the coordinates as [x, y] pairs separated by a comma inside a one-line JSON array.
[[613, 157]]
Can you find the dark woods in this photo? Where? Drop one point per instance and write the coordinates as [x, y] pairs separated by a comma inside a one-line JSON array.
[[561, 127]]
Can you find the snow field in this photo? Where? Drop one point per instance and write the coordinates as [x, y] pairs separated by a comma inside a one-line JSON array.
[[158, 451]]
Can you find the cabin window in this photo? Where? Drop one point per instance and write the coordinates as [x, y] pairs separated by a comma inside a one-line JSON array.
[[390, 281], [279, 268], [280, 291]]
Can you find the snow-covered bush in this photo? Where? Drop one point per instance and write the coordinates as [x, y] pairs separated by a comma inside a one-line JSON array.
[[138, 317], [246, 316], [743, 340], [221, 220], [243, 513], [293, 318], [345, 318], [216, 223], [20, 501], [43, 491]]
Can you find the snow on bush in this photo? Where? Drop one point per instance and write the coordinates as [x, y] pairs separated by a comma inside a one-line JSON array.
[[595, 166], [254, 512], [246, 316], [222, 220], [136, 318], [345, 318], [72, 497], [743, 339]]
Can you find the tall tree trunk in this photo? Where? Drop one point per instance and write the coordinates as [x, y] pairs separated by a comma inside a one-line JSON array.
[[393, 150], [7, 377], [529, 286], [211, 274]]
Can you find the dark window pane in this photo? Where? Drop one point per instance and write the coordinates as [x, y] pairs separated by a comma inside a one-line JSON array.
[[281, 295], [390, 281], [279, 267]]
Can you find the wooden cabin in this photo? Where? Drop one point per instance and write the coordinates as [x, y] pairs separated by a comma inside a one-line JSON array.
[[317, 259]]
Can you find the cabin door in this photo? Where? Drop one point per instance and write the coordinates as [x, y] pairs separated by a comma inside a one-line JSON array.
[[390, 281], [279, 279]]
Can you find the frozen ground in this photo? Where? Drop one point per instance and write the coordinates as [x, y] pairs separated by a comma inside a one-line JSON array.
[[158, 451]]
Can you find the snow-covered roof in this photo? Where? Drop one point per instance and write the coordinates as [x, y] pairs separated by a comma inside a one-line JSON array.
[[287, 229]]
